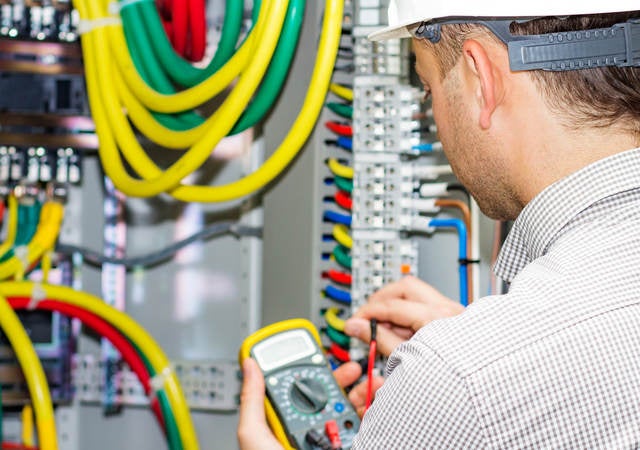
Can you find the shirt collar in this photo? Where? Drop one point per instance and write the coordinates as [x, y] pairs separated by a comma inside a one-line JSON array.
[[553, 208]]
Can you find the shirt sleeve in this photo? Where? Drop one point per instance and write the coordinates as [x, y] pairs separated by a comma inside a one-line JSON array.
[[422, 404]]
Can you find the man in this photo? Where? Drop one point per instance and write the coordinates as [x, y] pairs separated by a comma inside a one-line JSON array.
[[554, 363]]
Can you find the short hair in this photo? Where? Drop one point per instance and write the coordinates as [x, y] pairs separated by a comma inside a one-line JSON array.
[[597, 97]]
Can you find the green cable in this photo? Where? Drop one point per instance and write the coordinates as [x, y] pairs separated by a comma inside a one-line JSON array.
[[341, 254], [173, 433], [28, 219], [278, 69], [341, 109], [343, 184], [338, 337]]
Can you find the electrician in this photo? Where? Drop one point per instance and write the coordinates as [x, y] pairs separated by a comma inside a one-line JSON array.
[[540, 120]]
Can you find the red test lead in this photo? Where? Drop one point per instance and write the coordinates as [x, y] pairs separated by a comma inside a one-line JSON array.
[[372, 360], [332, 431]]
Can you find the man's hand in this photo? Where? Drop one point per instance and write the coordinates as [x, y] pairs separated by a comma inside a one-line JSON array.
[[253, 431], [401, 309]]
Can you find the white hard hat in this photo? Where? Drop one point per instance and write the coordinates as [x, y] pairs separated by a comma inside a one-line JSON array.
[[403, 13]]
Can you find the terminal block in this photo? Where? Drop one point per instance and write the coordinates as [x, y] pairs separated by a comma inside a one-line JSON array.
[[44, 20], [379, 257], [35, 165], [384, 116], [207, 385], [383, 184], [379, 58]]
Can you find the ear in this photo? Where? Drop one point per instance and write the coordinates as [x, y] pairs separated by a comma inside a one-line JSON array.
[[485, 77]]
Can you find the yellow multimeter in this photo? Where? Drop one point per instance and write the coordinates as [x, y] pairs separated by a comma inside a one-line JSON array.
[[302, 393]]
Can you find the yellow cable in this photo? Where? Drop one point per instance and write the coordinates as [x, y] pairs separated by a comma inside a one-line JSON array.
[[331, 316], [340, 169], [12, 226], [146, 124], [27, 426], [51, 216], [341, 234], [46, 263], [283, 155], [33, 373], [341, 91], [102, 93], [134, 332]]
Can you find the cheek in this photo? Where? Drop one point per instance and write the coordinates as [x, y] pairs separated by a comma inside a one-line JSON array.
[[444, 122]]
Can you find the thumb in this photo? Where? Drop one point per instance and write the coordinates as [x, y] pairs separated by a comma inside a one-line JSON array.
[[251, 400], [253, 431]]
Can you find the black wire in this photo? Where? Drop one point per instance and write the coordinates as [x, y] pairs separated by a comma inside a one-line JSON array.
[[345, 68], [95, 258], [459, 188]]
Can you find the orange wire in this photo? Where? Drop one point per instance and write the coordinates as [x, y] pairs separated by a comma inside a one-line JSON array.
[[466, 218]]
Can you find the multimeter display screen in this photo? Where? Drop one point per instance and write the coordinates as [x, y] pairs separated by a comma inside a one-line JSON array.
[[283, 349]]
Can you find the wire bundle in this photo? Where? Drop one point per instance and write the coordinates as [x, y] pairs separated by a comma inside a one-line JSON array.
[[167, 117], [137, 348], [339, 287], [32, 231], [143, 355]]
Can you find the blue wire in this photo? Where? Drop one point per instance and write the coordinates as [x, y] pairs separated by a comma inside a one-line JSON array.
[[462, 252], [333, 363], [423, 147], [338, 295], [332, 216], [345, 142]]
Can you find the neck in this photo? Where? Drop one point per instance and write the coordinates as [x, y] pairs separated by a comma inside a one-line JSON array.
[[553, 152], [545, 150]]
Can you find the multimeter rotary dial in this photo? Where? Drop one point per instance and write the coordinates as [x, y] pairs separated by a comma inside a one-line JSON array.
[[308, 395]]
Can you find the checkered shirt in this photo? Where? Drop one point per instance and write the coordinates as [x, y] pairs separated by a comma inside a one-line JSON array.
[[554, 363]]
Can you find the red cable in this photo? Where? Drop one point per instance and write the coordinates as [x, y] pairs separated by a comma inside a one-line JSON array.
[[163, 8], [339, 277], [343, 199], [180, 25], [371, 364], [340, 353], [198, 21], [103, 328], [14, 446], [339, 128], [2, 210]]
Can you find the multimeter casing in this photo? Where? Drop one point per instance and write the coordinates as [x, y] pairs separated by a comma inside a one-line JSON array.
[[289, 422]]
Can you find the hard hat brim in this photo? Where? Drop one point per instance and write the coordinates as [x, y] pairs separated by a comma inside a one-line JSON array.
[[393, 32]]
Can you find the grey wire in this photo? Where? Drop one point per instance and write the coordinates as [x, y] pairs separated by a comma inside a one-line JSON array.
[[95, 258]]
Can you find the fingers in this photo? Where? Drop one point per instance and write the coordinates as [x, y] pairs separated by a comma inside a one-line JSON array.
[[347, 374], [253, 431], [408, 288], [386, 339], [358, 395], [398, 312]]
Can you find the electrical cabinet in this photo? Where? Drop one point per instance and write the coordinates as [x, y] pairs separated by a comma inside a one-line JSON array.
[[200, 303]]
